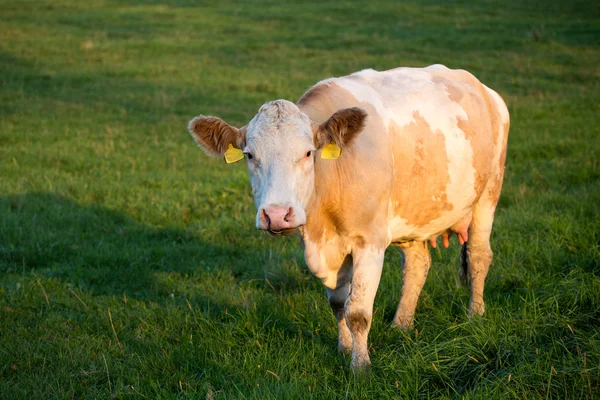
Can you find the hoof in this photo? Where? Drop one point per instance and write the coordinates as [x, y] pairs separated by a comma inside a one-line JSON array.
[[360, 363], [405, 324], [476, 309], [344, 348]]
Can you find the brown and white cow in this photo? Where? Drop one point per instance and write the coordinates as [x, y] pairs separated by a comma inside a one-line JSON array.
[[423, 153]]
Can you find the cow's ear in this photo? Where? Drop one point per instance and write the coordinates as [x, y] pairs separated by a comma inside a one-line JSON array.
[[215, 135], [341, 128]]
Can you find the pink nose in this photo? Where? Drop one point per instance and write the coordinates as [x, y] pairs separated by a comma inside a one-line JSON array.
[[276, 218]]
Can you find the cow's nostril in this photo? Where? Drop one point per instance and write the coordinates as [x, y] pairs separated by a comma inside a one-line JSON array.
[[288, 215], [267, 219]]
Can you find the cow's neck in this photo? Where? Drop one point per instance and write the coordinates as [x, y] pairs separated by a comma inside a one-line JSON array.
[[322, 212]]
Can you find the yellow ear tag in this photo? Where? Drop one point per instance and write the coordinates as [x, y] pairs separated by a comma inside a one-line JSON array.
[[233, 155], [331, 152]]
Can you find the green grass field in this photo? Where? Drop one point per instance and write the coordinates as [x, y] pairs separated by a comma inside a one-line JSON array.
[[130, 266]]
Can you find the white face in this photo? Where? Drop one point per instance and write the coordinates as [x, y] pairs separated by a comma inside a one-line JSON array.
[[280, 154]]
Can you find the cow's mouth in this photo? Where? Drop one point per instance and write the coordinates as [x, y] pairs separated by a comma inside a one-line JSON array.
[[283, 232]]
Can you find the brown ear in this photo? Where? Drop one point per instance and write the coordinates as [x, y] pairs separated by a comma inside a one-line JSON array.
[[342, 127], [215, 135]]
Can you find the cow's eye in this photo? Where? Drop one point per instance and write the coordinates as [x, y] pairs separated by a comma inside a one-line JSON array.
[[309, 153], [249, 156]]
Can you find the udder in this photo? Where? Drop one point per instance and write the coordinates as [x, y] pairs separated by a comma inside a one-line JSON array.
[[461, 229]]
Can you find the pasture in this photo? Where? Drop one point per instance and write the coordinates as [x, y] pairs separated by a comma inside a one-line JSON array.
[[130, 266]]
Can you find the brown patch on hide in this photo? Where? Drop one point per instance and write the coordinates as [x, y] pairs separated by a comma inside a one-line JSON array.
[[318, 93], [483, 126], [469, 84], [495, 187], [454, 92], [357, 321], [483, 149], [215, 135], [359, 241], [421, 172]]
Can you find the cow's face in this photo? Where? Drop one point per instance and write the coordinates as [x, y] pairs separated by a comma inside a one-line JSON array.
[[279, 145]]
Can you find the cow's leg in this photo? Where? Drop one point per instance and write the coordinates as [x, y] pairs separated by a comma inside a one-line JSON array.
[[478, 250], [337, 298], [479, 257], [368, 263], [414, 273]]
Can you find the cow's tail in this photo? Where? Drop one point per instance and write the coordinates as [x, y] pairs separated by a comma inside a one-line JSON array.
[[463, 267]]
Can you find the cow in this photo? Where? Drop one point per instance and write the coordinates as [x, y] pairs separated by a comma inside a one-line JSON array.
[[373, 159]]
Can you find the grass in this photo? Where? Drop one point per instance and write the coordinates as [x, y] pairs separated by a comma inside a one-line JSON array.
[[129, 263]]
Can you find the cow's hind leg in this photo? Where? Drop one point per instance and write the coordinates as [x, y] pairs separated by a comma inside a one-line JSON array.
[[476, 254], [367, 267], [417, 261], [337, 298]]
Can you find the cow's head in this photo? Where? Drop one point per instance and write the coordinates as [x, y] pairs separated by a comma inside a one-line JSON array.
[[279, 145]]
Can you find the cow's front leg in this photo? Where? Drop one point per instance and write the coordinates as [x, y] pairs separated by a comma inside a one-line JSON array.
[[368, 263], [337, 298]]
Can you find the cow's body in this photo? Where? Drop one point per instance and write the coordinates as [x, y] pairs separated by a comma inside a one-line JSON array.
[[427, 161], [434, 141]]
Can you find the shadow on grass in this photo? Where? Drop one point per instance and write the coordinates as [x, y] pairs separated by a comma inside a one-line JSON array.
[[106, 252]]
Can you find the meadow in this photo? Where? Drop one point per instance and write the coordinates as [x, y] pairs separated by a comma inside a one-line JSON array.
[[130, 266]]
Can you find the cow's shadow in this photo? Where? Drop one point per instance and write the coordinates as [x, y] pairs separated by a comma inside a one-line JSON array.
[[105, 252]]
